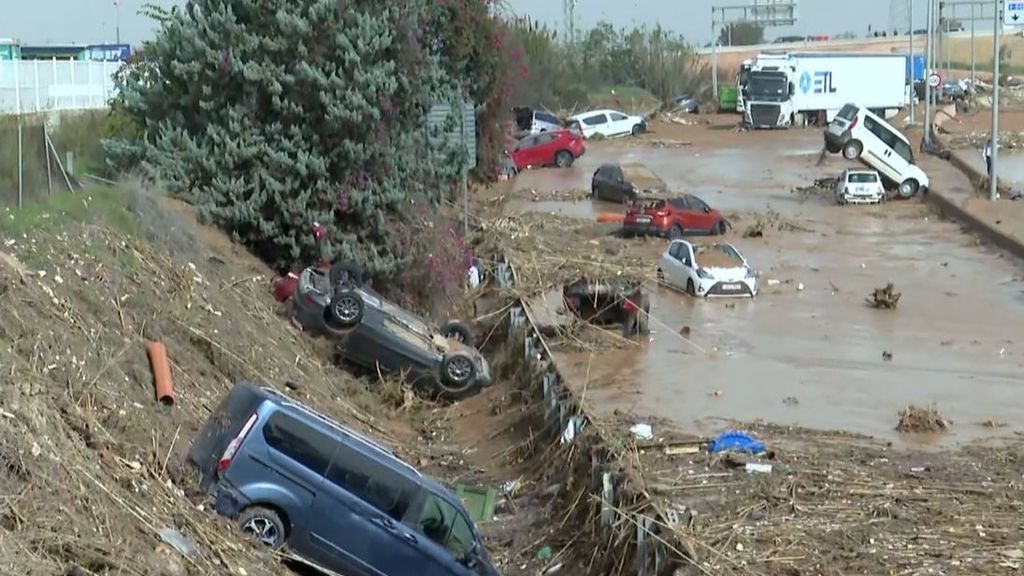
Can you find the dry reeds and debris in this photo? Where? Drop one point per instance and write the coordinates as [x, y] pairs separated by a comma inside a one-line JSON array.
[[834, 503], [549, 251], [771, 220], [915, 419], [885, 298]]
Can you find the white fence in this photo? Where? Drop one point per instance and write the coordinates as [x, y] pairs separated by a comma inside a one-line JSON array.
[[29, 86]]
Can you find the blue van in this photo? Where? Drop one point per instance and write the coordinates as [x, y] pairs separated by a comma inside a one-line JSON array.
[[293, 477]]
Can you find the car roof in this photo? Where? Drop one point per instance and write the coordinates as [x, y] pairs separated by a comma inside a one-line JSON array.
[[592, 112], [288, 404]]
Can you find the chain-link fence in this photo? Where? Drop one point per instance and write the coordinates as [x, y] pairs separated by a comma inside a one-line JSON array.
[[30, 168], [28, 86]]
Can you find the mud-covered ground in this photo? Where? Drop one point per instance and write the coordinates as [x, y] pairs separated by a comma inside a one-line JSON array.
[[809, 334], [807, 366]]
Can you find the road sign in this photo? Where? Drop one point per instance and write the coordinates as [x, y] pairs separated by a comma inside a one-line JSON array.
[[934, 80], [1013, 13], [464, 132]]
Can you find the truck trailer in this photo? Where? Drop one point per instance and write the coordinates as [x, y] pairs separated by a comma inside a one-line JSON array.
[[798, 88]]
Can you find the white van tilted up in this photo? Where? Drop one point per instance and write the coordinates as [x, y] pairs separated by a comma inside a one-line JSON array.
[[859, 133]]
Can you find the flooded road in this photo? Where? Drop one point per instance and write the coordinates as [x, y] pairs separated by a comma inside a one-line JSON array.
[[813, 357]]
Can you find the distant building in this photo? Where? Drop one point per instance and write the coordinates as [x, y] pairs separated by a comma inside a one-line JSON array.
[[93, 52], [10, 49]]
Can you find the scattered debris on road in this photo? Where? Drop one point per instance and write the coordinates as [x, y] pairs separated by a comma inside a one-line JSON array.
[[915, 419], [670, 143], [884, 298]]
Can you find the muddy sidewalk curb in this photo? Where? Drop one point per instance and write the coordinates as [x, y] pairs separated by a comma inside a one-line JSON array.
[[951, 204]]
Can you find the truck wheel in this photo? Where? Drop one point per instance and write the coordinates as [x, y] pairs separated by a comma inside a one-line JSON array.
[[852, 150], [908, 188]]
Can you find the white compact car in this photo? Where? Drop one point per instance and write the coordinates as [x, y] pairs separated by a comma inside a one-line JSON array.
[[859, 187], [707, 269], [608, 123]]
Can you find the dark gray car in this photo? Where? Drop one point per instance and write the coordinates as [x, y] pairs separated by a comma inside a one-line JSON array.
[[299, 481], [372, 332]]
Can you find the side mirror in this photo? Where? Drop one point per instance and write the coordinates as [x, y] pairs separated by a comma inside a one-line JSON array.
[[472, 556], [707, 209]]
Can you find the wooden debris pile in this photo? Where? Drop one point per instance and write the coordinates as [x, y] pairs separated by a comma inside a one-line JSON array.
[[915, 419]]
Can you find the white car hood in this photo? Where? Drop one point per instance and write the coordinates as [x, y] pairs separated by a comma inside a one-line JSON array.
[[731, 274]]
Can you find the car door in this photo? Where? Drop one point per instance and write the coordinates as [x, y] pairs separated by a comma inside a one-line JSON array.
[[703, 218], [595, 124], [877, 150], [359, 513], [687, 264], [681, 213], [448, 538], [524, 151], [621, 188], [619, 124], [672, 265], [543, 151]]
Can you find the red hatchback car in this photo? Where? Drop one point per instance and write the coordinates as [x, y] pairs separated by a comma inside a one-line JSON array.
[[673, 218], [557, 147]]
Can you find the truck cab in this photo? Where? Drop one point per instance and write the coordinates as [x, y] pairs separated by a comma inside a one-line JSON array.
[[742, 77], [768, 99]]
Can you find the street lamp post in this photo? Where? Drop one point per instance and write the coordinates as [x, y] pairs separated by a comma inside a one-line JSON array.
[[910, 31], [997, 25], [117, 15]]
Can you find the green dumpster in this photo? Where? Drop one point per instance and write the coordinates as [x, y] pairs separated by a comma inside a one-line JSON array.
[[727, 97]]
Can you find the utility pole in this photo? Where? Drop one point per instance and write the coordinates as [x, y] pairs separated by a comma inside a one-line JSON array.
[[928, 74], [974, 73], [910, 32], [997, 25], [714, 56], [117, 15]]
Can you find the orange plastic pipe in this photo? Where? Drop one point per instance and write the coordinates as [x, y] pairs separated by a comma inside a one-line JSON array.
[[606, 217], [161, 372]]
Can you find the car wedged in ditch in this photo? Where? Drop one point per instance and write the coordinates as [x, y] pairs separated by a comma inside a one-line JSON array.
[[304, 484], [612, 301], [372, 332]]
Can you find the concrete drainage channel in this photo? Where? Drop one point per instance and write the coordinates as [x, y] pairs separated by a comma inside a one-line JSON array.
[[607, 503]]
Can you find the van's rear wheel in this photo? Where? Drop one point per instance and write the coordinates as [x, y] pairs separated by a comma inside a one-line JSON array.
[[265, 525], [852, 150], [908, 188]]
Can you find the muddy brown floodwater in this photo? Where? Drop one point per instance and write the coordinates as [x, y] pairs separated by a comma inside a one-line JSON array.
[[955, 339]]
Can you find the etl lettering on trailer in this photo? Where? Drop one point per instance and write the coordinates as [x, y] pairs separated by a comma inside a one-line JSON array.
[[821, 83]]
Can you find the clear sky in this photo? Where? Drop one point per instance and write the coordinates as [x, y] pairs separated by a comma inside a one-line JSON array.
[[95, 21]]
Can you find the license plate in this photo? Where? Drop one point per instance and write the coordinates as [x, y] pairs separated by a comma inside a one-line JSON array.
[[730, 286], [643, 219]]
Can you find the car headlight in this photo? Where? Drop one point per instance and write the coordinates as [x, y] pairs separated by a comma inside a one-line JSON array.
[[751, 273], [703, 273]]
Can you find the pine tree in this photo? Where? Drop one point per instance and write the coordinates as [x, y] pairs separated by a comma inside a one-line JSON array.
[[269, 116]]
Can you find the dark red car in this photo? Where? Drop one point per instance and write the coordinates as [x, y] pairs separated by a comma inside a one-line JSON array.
[[673, 218], [555, 148]]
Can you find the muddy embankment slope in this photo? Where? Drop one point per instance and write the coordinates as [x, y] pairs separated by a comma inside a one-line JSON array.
[[91, 462]]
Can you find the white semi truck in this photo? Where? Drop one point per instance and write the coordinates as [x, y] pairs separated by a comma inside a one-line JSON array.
[[797, 88]]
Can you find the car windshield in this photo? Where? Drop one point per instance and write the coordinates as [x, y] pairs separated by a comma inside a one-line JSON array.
[[862, 177], [717, 256]]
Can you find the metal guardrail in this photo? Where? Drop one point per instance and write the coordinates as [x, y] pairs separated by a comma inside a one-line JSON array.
[[561, 408]]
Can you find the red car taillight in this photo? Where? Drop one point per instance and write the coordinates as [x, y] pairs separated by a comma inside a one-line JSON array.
[[235, 444], [852, 123], [661, 213]]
